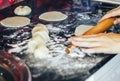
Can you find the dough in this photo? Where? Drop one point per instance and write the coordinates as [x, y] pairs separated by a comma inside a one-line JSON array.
[[22, 10], [37, 44], [42, 31], [53, 16], [44, 36], [15, 21], [81, 29], [34, 42], [40, 27], [41, 52]]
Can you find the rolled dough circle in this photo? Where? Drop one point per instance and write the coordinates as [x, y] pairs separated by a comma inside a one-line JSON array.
[[15, 21], [53, 16], [81, 29]]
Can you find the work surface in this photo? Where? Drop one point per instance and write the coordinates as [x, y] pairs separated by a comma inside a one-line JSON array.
[[60, 66]]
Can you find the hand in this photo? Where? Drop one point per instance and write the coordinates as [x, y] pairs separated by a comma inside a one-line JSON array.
[[98, 43], [113, 13]]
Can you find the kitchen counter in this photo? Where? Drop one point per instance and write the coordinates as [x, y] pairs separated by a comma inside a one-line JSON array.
[[60, 67]]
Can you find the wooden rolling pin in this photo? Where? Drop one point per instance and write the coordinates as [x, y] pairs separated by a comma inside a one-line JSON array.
[[99, 28]]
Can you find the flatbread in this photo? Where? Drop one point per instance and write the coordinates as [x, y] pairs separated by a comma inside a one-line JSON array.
[[81, 29], [22, 10], [15, 21], [53, 16]]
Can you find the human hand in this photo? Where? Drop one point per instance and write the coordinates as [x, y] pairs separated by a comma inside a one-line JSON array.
[[98, 43], [112, 13]]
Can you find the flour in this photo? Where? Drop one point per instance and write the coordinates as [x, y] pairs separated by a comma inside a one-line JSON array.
[[57, 62]]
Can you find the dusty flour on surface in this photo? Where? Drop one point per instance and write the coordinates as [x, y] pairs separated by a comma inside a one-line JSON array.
[[58, 63]]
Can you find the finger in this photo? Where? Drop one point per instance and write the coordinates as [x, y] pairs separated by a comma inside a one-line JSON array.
[[117, 21], [86, 44], [88, 38], [93, 50]]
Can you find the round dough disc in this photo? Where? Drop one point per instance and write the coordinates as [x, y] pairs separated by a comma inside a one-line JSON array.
[[15, 21], [53, 16], [81, 29], [22, 10]]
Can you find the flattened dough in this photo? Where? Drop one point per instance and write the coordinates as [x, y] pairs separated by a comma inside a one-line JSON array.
[[15, 21], [53, 16], [81, 29]]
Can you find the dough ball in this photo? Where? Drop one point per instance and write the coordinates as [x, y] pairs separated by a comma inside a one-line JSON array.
[[53, 16], [81, 29], [34, 42], [41, 52], [22, 10], [15, 21], [42, 31], [44, 36], [40, 27]]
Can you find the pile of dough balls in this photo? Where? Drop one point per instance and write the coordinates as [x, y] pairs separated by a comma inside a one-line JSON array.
[[37, 44], [22, 10]]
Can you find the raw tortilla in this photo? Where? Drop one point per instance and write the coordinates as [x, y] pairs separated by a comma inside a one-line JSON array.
[[81, 29], [53, 16], [15, 21]]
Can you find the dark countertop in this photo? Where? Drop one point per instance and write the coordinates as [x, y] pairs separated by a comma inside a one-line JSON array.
[[67, 7]]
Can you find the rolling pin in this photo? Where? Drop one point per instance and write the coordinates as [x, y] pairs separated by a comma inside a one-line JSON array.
[[99, 28]]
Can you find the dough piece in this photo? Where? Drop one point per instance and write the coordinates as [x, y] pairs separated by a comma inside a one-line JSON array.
[[22, 10], [40, 27], [53, 16], [42, 31], [41, 52], [34, 42], [42, 34], [15, 21], [81, 29]]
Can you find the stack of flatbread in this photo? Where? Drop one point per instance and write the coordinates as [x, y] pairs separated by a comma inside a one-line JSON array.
[[37, 44]]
